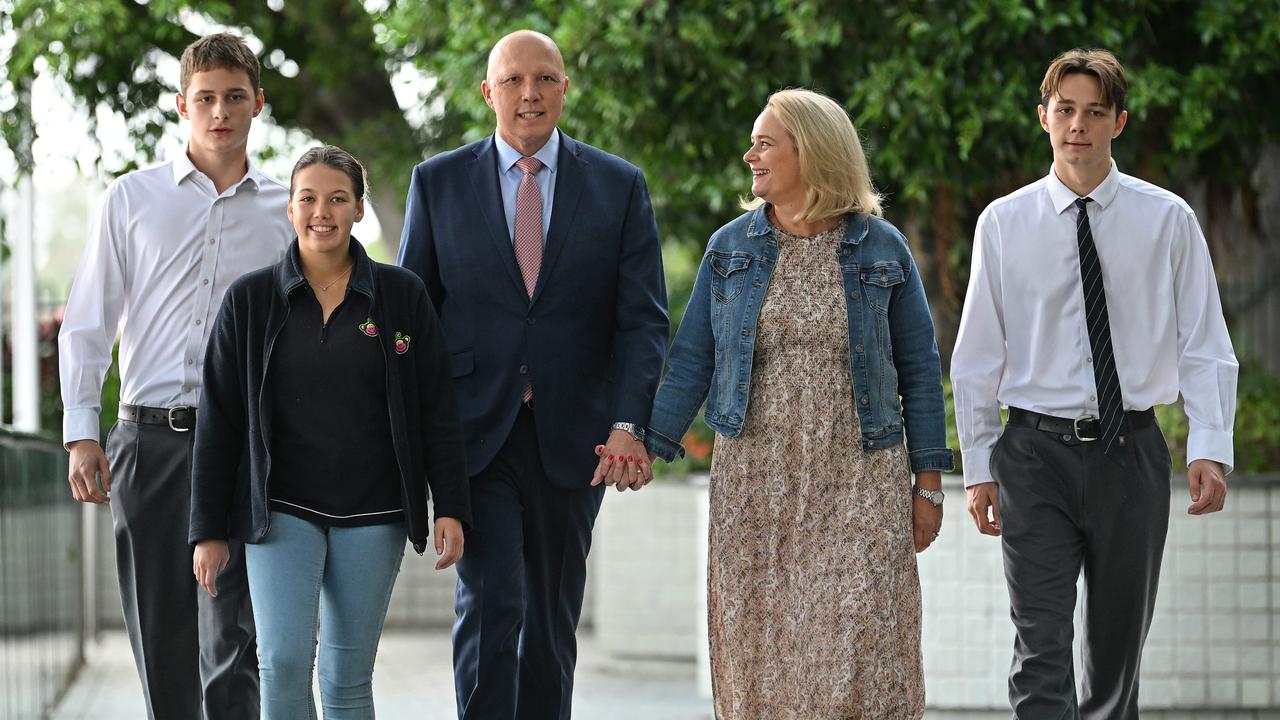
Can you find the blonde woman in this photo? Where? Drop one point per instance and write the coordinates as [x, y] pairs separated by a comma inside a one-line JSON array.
[[809, 337]]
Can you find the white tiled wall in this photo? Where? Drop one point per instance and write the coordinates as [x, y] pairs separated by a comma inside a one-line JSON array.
[[1214, 645]]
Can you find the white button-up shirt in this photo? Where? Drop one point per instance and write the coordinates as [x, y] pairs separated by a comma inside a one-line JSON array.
[[162, 252], [1023, 340]]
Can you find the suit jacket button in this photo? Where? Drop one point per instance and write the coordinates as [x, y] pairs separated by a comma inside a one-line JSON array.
[[533, 320], [524, 369]]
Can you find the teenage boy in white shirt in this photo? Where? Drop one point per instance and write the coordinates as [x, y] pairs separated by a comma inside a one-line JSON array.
[[1091, 299], [167, 242]]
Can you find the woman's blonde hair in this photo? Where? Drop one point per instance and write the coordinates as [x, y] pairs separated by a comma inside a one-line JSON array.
[[832, 162]]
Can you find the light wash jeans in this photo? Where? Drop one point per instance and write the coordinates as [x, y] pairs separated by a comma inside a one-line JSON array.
[[342, 576]]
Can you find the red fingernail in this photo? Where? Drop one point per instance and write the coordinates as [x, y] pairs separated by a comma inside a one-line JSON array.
[[610, 457], [599, 449], [631, 458]]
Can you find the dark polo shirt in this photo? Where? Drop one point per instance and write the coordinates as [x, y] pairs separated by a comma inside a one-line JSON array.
[[332, 459]]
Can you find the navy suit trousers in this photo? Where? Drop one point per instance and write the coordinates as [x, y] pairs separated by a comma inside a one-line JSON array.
[[520, 586]]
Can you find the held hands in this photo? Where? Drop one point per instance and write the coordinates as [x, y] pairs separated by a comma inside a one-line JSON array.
[[1208, 487], [983, 498], [926, 518], [624, 462], [448, 541], [86, 463], [209, 559]]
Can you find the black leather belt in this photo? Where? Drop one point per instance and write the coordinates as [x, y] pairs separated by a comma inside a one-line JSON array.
[[181, 418], [1085, 429]]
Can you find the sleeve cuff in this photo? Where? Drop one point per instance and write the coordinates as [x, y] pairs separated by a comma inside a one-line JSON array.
[[79, 424], [663, 446], [977, 467], [1207, 444], [932, 459]]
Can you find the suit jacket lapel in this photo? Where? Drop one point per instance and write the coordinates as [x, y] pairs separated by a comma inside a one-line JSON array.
[[484, 178], [570, 179]]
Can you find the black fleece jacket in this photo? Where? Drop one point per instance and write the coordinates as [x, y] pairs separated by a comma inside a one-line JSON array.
[[231, 468]]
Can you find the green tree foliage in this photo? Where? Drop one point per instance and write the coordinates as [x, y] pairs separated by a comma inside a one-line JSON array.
[[944, 93]]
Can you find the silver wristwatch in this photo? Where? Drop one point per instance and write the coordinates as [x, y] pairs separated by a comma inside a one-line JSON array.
[[933, 496], [631, 429]]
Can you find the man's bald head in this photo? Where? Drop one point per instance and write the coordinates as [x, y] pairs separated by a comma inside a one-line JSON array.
[[526, 86], [521, 43]]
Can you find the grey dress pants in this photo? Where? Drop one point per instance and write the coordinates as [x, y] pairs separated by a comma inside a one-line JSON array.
[[1067, 508], [196, 655]]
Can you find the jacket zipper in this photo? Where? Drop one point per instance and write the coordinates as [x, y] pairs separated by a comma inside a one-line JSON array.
[[395, 443], [262, 391]]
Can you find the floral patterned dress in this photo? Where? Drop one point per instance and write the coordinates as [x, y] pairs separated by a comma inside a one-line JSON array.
[[813, 595]]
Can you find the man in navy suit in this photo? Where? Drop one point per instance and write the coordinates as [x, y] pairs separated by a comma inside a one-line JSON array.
[[541, 255]]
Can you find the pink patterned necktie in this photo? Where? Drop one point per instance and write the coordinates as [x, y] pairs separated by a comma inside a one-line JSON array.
[[528, 230]]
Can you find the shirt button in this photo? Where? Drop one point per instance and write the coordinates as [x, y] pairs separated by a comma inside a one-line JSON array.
[[1093, 398], [524, 369], [204, 281], [1088, 361], [190, 361], [198, 322], [212, 240], [186, 388]]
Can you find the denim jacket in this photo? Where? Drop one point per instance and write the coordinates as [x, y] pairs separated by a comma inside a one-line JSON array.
[[893, 356]]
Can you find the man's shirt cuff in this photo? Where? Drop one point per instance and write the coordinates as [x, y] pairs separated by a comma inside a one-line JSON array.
[[977, 466], [1208, 444], [79, 424]]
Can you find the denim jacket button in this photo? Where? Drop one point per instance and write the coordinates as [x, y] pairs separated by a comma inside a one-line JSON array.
[[858, 347], [854, 295], [865, 401]]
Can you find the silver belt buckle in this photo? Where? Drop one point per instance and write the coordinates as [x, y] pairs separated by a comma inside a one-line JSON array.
[[1075, 428], [172, 410]]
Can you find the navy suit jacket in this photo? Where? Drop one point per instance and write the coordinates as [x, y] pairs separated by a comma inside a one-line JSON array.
[[592, 339]]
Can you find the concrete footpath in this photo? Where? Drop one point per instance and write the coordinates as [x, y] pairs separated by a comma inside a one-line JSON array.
[[413, 679]]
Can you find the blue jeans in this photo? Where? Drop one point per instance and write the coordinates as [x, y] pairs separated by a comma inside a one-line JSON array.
[[342, 576]]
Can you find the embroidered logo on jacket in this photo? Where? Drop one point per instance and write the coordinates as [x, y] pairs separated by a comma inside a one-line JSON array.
[[368, 328], [402, 343]]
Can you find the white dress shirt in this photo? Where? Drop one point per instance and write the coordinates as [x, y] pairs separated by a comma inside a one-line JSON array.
[[1023, 340], [509, 177], [159, 257]]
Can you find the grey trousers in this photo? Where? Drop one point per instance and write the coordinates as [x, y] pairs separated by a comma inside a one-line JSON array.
[[196, 655], [1065, 507]]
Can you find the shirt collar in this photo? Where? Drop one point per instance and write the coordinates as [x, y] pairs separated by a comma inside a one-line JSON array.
[[1063, 197], [547, 154], [183, 167]]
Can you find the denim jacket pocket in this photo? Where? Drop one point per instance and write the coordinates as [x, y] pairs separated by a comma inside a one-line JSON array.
[[879, 281], [729, 274]]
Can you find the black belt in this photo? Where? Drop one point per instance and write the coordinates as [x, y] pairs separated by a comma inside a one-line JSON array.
[[181, 418], [1084, 429]]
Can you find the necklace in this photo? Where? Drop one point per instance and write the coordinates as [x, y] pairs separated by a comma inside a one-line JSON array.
[[325, 288]]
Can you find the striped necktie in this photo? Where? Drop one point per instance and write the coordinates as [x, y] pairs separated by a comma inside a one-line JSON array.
[[1112, 421]]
